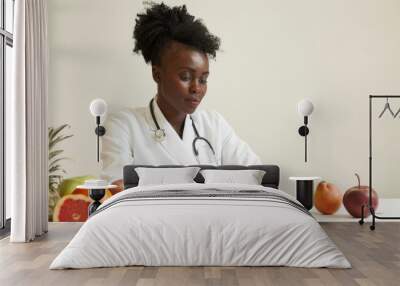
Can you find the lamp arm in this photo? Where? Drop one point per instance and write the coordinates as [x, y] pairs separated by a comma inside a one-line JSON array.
[[305, 138], [98, 136], [98, 139], [100, 131], [305, 152]]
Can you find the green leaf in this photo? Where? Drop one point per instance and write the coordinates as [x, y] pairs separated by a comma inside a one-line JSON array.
[[53, 191], [56, 160], [54, 183], [57, 140], [51, 130], [55, 153], [55, 177], [57, 130], [56, 168], [53, 188]]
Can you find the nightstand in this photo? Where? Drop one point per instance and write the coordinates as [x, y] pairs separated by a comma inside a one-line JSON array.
[[304, 190], [97, 190]]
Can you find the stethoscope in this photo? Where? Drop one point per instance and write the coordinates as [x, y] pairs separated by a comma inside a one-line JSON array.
[[159, 133]]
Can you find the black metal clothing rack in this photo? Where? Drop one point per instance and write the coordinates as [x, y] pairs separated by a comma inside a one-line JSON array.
[[371, 208]]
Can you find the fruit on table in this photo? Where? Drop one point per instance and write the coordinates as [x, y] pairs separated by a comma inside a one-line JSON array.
[[328, 198], [72, 208], [67, 186], [78, 191], [357, 196], [107, 195], [120, 185]]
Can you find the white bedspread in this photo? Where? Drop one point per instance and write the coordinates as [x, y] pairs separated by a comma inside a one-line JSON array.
[[186, 230]]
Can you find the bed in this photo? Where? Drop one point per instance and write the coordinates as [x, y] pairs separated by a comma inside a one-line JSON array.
[[201, 224]]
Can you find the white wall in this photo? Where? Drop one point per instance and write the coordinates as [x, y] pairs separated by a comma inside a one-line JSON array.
[[274, 54]]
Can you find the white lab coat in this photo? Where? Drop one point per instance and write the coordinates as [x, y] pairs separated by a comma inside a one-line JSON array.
[[129, 139]]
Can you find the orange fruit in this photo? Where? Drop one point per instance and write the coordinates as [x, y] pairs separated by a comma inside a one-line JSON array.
[[328, 198]]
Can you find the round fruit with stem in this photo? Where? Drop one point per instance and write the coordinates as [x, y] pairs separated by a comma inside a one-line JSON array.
[[357, 196]]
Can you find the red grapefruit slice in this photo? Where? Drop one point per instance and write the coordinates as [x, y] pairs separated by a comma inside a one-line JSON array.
[[72, 208]]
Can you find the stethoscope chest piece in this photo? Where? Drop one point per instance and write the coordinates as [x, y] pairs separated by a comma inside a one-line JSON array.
[[159, 135]]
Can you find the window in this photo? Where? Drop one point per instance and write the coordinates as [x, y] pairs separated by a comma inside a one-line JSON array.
[[6, 45]]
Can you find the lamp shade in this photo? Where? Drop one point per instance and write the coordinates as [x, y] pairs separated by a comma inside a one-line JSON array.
[[98, 107], [305, 107]]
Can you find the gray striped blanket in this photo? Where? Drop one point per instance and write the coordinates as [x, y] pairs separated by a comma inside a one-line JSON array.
[[206, 194]]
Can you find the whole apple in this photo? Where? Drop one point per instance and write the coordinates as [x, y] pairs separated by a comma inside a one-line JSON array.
[[357, 196]]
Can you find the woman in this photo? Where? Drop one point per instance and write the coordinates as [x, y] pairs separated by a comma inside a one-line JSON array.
[[167, 131]]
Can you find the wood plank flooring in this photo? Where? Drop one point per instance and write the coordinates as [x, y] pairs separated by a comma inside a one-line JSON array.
[[375, 257]]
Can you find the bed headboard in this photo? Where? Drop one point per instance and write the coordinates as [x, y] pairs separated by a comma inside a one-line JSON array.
[[270, 179]]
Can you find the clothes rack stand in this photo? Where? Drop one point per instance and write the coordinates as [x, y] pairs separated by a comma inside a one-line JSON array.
[[371, 208]]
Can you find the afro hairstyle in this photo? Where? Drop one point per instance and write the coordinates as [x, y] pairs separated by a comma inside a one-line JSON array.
[[160, 25]]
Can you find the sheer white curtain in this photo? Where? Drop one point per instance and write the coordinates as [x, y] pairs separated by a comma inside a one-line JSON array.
[[27, 117]]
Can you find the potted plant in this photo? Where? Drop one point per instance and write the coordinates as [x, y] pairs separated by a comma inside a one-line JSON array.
[[56, 171]]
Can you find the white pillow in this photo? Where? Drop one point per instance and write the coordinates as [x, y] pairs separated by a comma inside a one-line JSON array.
[[162, 176], [249, 177]]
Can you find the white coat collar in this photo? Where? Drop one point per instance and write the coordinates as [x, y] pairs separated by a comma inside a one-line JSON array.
[[180, 150]]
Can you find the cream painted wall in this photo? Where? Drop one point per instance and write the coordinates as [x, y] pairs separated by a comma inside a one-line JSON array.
[[275, 53]]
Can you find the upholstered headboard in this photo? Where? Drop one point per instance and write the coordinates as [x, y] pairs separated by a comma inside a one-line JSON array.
[[270, 179]]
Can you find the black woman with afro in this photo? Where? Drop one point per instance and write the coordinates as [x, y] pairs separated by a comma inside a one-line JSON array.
[[171, 129]]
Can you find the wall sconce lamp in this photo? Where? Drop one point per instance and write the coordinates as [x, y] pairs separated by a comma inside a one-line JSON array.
[[305, 108], [98, 108]]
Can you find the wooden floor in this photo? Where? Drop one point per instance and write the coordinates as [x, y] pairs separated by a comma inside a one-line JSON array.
[[375, 257]]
